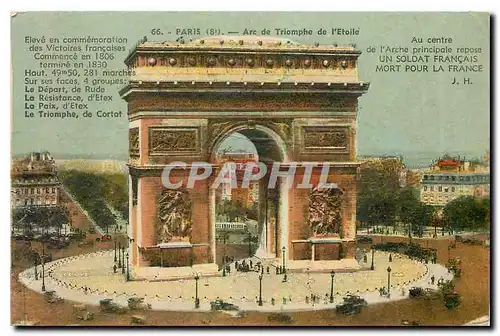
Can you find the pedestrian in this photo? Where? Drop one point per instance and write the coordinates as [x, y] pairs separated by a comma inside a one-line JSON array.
[[432, 279], [251, 263], [267, 269], [114, 268], [365, 259], [284, 300], [277, 271], [403, 291], [236, 265], [307, 299], [273, 301]]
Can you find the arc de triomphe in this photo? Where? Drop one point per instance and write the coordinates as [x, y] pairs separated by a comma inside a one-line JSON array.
[[296, 103]]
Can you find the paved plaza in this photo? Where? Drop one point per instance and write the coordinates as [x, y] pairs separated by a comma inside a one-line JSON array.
[[89, 278]]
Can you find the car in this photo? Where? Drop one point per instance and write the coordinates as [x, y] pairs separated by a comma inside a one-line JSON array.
[[451, 300], [221, 305], [136, 303], [77, 235], [108, 306], [86, 243], [364, 240], [352, 305], [51, 297], [427, 293], [104, 238], [416, 292], [57, 242]]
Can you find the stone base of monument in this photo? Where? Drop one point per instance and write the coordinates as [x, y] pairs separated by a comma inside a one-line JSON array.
[[175, 273], [322, 266]]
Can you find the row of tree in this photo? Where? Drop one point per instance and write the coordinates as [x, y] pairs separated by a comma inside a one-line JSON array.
[[40, 218], [90, 189], [467, 213]]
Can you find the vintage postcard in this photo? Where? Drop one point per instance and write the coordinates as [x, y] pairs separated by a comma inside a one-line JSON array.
[[250, 169]]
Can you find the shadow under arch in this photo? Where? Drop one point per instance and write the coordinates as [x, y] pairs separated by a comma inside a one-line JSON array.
[[270, 145]]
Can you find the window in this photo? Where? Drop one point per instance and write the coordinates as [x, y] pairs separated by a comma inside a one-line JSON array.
[[431, 177], [440, 188], [446, 189], [452, 189], [432, 188], [440, 178], [53, 190], [447, 178], [467, 178], [425, 188], [453, 178], [425, 177]]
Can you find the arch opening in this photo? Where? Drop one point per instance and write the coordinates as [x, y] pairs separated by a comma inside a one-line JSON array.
[[247, 221]]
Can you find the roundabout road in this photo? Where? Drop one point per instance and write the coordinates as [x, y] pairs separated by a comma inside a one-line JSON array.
[[88, 278]]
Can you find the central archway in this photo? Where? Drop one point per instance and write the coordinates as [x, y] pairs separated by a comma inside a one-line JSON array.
[[272, 211]]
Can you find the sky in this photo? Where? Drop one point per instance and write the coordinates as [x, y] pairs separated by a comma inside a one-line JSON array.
[[409, 114]]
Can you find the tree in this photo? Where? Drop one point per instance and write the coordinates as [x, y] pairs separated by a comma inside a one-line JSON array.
[[378, 188], [466, 213], [421, 217], [415, 214]]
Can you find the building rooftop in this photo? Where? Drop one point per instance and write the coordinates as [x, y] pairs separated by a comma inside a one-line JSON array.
[[35, 164]]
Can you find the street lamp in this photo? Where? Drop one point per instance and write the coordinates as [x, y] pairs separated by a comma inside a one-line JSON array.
[[43, 265], [332, 274], [196, 300], [389, 282], [123, 260], [260, 289], [119, 255], [128, 271], [373, 254], [224, 237], [249, 244], [115, 251], [36, 272], [284, 250]]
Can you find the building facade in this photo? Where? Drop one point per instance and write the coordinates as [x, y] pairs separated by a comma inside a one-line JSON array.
[[451, 178], [35, 181], [440, 188]]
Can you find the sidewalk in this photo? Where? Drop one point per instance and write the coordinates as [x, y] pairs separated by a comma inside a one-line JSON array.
[[70, 292]]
